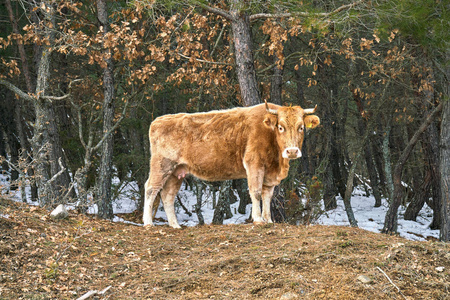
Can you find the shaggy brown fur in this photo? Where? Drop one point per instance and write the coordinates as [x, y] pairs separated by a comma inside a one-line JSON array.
[[247, 142]]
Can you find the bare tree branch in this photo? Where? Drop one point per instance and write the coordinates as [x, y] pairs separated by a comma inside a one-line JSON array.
[[16, 90], [55, 98], [31, 97], [305, 14], [63, 169], [214, 10], [205, 61], [113, 128]]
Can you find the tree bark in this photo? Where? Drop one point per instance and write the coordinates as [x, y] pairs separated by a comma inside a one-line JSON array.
[[222, 210], [45, 142], [200, 186], [421, 193], [105, 209], [445, 173], [387, 162], [245, 67], [444, 164], [276, 83], [8, 126], [390, 222], [241, 187], [429, 186], [432, 154], [348, 192]]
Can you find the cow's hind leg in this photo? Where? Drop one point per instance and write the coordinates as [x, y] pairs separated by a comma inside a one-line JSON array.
[[160, 170], [151, 194], [168, 193]]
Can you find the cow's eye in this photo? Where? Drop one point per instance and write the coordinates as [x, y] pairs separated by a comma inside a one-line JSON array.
[[280, 128], [300, 129]]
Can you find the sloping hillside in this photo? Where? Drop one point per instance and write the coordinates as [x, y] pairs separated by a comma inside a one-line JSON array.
[[42, 258]]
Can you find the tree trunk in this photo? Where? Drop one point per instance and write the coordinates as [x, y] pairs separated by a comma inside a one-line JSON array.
[[371, 170], [348, 192], [8, 126], [223, 210], [41, 141], [245, 67], [377, 156], [363, 125], [277, 206], [198, 206], [387, 162], [105, 205], [276, 83], [445, 173], [430, 185], [421, 194], [390, 222], [241, 187], [433, 156], [23, 56], [332, 178], [373, 175], [140, 172], [444, 165]]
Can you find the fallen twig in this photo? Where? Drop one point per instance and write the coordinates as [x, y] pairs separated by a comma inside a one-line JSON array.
[[91, 293], [398, 289], [87, 295]]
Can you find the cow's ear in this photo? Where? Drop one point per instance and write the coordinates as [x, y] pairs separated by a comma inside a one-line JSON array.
[[270, 121], [311, 121]]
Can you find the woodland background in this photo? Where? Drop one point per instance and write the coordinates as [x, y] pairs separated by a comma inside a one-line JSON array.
[[81, 81]]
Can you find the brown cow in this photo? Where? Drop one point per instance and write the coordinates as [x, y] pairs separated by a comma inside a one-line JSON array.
[[247, 142]]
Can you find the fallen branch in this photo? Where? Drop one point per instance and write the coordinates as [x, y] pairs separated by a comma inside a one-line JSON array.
[[398, 289], [93, 292]]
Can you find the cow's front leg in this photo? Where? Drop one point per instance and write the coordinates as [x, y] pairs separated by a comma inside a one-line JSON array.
[[255, 180], [256, 209], [267, 193]]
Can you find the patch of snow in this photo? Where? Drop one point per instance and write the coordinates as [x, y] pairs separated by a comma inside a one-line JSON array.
[[372, 218]]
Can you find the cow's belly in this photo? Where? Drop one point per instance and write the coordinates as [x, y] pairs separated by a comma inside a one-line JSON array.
[[217, 172]]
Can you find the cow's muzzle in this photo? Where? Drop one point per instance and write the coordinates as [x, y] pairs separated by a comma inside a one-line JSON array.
[[292, 153]]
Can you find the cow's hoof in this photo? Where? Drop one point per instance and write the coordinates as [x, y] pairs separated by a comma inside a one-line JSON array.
[[259, 223], [147, 226]]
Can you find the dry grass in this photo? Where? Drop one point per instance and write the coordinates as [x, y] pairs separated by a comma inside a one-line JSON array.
[[46, 259]]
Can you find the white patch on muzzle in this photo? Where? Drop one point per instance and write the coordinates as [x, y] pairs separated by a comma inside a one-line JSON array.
[[292, 153]]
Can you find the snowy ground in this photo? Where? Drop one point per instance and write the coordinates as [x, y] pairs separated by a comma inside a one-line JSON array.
[[367, 216]]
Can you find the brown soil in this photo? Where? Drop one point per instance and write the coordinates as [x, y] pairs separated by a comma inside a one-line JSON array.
[[42, 258]]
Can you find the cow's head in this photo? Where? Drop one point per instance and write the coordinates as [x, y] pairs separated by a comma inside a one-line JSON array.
[[290, 125]]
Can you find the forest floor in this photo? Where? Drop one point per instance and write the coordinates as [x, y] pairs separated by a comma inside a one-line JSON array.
[[42, 258]]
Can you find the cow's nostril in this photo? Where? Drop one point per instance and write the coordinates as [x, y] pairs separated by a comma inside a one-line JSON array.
[[292, 152]]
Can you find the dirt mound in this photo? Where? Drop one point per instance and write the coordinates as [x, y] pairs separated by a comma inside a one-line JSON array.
[[46, 259]]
